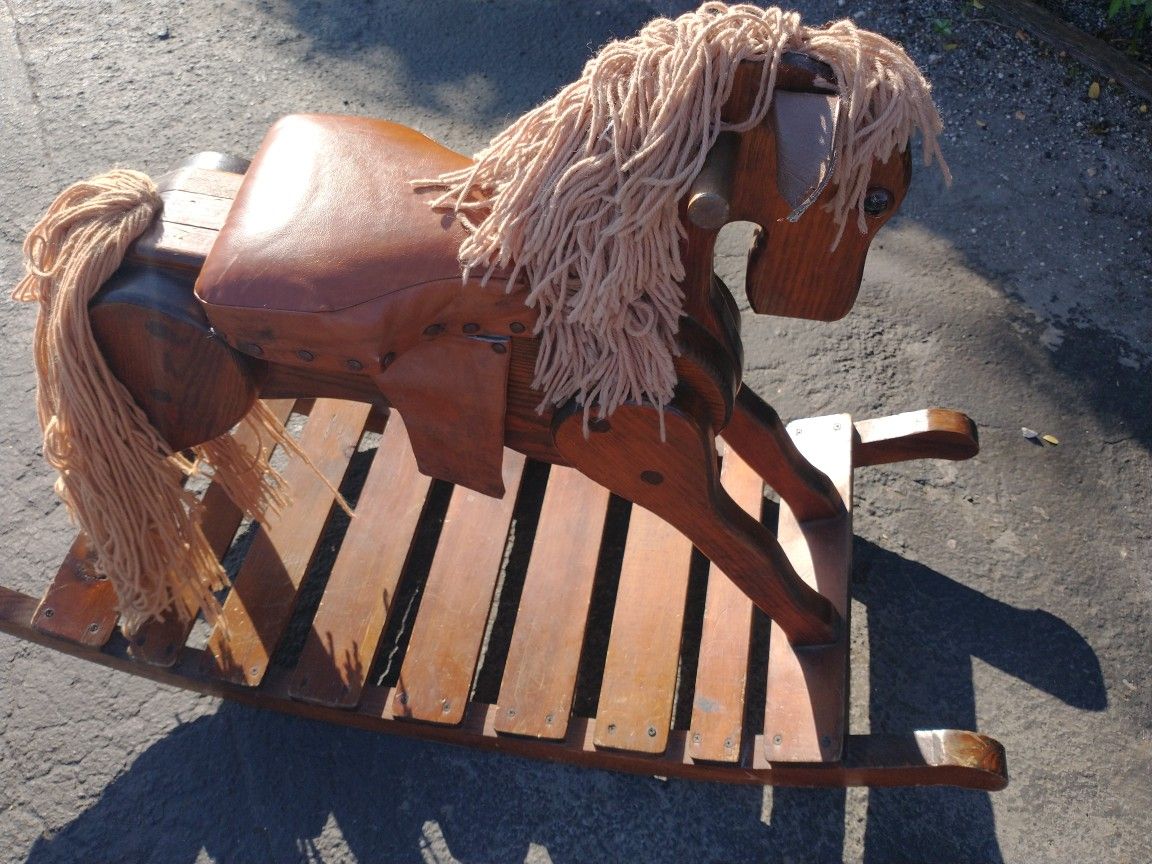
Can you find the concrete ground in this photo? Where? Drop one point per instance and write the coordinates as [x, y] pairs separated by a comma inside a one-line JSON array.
[[1010, 594]]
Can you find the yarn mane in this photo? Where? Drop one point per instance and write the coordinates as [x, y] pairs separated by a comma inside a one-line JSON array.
[[580, 195]]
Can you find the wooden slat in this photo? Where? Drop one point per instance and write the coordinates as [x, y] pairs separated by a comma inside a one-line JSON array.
[[203, 181], [194, 209], [805, 718], [544, 657], [159, 642], [346, 632], [78, 605], [725, 640], [639, 685], [260, 603], [440, 662]]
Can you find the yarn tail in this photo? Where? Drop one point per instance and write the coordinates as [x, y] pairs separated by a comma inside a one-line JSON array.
[[120, 481]]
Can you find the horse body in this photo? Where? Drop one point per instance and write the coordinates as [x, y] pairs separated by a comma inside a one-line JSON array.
[[331, 276]]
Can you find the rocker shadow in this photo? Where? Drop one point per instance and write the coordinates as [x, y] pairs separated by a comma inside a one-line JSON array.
[[251, 785]]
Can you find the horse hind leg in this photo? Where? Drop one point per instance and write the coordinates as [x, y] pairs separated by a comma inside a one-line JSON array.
[[158, 343]]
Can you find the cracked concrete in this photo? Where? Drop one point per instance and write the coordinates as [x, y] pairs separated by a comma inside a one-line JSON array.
[[1009, 594]]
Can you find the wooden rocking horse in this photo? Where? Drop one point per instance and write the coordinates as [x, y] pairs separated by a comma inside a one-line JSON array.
[[319, 279]]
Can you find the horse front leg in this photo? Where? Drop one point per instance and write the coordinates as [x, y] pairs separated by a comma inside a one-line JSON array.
[[758, 435], [678, 479]]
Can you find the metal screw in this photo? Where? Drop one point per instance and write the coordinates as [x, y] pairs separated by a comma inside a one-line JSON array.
[[354, 365], [796, 430], [254, 671], [696, 738], [49, 612], [94, 627], [835, 427], [471, 328], [305, 355], [403, 697], [516, 327], [728, 744], [511, 712], [446, 707], [651, 731], [611, 728], [549, 718], [777, 740]]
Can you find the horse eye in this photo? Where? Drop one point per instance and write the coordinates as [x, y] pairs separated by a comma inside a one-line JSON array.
[[877, 201]]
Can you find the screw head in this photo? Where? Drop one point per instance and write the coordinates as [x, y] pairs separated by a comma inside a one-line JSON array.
[[777, 740], [516, 327], [728, 744], [49, 612], [403, 698], [696, 739], [94, 627], [511, 712], [305, 355], [354, 365], [651, 731], [611, 728]]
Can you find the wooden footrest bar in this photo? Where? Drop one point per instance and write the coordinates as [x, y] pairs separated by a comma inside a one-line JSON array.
[[448, 615]]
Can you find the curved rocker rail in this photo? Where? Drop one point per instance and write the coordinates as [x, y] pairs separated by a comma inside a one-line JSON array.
[[468, 619]]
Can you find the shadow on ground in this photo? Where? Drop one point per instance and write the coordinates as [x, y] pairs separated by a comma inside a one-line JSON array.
[[251, 785]]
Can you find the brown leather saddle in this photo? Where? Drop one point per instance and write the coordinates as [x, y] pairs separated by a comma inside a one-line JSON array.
[[330, 259]]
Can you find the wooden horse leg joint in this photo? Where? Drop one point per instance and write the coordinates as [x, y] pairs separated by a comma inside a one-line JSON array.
[[678, 479], [757, 434]]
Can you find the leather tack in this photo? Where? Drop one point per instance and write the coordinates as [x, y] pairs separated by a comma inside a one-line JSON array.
[[471, 328], [516, 327], [387, 359], [499, 347], [354, 365], [305, 355], [433, 329]]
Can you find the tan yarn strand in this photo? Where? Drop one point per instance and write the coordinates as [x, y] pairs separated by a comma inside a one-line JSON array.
[[117, 476], [580, 194]]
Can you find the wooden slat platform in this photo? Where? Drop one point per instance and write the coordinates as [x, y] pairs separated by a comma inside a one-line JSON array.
[[395, 633]]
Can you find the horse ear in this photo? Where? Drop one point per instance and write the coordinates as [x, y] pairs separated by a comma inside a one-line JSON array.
[[805, 126]]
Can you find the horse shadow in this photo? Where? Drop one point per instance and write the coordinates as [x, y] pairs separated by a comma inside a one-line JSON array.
[[250, 785]]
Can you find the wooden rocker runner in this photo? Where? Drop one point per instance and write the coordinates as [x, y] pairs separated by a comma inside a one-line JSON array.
[[519, 572]]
